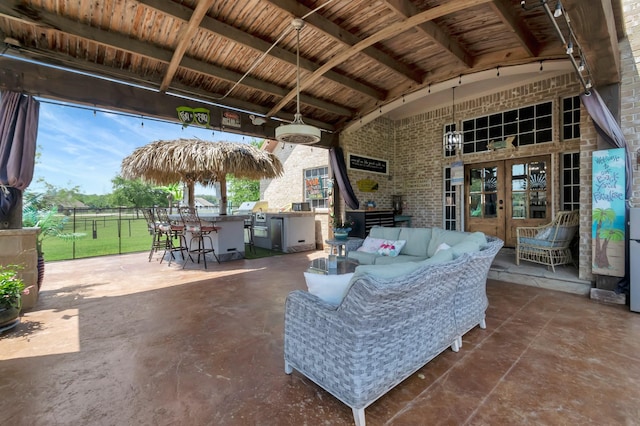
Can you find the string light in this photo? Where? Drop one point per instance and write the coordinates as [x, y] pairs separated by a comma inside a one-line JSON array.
[[558, 12]]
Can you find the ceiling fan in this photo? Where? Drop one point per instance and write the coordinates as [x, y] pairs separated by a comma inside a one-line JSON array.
[[297, 132]]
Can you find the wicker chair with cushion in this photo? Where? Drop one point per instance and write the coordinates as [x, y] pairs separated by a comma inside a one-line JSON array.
[[548, 244]]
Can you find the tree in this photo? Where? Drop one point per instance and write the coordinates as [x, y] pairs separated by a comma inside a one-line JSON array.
[[242, 190], [603, 217], [136, 193]]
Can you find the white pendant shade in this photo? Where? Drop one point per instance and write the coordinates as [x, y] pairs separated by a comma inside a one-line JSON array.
[[298, 132]]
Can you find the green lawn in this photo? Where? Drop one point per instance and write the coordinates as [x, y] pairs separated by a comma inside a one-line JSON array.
[[111, 234]]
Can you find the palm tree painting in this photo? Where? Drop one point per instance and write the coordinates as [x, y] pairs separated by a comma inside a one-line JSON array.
[[608, 212], [603, 219]]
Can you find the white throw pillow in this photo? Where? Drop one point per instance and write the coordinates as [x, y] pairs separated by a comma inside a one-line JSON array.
[[391, 248], [371, 245], [443, 246], [330, 288]]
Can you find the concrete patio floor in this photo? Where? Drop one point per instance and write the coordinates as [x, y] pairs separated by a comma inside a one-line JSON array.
[[120, 341]]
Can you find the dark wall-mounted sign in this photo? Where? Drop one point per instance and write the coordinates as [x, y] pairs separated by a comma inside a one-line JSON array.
[[368, 164]]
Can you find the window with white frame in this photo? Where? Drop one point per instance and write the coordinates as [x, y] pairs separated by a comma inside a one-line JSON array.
[[570, 182], [316, 181], [449, 202], [571, 118]]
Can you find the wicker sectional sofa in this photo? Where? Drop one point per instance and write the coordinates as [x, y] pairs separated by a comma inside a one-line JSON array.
[[392, 321], [419, 244]]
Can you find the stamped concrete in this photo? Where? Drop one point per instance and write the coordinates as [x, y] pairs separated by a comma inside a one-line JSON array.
[[122, 341]]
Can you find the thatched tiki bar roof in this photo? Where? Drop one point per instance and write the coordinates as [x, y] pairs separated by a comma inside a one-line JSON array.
[[195, 160]]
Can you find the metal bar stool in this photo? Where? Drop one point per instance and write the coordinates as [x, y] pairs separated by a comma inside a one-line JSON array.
[[160, 239], [174, 230], [199, 231]]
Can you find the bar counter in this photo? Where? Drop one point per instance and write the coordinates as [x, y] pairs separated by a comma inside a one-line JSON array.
[[228, 242]]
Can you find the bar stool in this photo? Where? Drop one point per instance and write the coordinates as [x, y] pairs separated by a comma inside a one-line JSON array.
[[174, 230], [199, 231], [160, 239]]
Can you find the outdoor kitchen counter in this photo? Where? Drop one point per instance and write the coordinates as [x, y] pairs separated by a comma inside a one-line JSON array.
[[228, 242]]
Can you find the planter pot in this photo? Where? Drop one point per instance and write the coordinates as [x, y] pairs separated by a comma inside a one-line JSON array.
[[9, 318], [341, 233], [40, 270]]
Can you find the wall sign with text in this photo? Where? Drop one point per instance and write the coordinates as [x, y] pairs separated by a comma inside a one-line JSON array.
[[368, 164]]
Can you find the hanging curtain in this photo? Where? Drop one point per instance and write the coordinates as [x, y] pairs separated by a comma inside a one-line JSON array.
[[18, 132], [608, 128], [340, 172]]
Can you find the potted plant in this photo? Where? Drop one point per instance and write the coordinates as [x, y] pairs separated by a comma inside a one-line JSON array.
[[342, 227], [11, 288], [51, 224]]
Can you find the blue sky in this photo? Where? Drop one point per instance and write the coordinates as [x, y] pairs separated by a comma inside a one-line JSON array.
[[80, 148]]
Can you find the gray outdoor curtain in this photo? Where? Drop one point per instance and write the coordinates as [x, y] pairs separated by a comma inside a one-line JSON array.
[[18, 133], [340, 172], [608, 128]]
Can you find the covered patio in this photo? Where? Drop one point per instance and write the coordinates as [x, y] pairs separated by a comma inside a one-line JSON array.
[[119, 340]]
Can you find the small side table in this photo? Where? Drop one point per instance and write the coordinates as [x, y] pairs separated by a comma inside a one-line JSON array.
[[349, 244]]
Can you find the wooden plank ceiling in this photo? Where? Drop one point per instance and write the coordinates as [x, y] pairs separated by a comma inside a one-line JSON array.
[[355, 55]]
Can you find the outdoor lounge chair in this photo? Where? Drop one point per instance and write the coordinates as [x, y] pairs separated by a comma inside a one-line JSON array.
[[548, 244]]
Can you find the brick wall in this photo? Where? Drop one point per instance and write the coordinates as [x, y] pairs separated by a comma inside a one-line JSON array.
[[289, 188], [413, 146], [417, 160]]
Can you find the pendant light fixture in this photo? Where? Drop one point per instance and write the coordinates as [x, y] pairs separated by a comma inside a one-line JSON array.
[[452, 140], [297, 132]]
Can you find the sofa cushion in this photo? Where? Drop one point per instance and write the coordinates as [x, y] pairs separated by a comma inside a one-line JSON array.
[[478, 237], [466, 246], [443, 246], [388, 260], [417, 241], [385, 232], [330, 288], [439, 236], [371, 245], [391, 248], [386, 271], [441, 256], [362, 257]]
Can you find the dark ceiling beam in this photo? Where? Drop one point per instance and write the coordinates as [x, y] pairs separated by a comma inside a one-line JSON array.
[[405, 9], [298, 10], [504, 10], [118, 41], [124, 77], [53, 83], [238, 36], [389, 32]]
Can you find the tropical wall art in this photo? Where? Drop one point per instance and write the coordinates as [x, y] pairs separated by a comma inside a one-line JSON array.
[[608, 215]]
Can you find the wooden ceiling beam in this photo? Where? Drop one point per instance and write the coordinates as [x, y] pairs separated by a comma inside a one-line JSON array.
[[298, 10], [120, 42], [185, 38], [389, 32], [504, 10], [238, 36], [405, 9]]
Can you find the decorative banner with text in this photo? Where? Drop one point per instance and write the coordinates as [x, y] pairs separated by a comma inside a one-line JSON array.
[[608, 215], [197, 116]]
